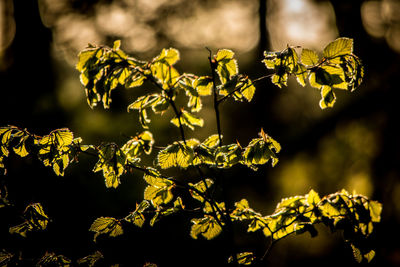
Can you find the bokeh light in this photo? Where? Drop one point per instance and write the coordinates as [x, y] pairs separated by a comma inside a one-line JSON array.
[[381, 19], [300, 22], [7, 29]]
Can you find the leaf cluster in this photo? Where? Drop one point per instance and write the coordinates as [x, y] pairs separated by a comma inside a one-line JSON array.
[[338, 68], [210, 153], [356, 215], [35, 220], [103, 69]]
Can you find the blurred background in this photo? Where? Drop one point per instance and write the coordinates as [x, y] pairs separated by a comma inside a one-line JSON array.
[[353, 146]]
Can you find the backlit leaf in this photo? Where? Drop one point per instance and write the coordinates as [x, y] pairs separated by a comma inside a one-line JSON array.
[[261, 150], [227, 156], [339, 47], [226, 65], [21, 229], [136, 217], [375, 209], [188, 120], [201, 187], [207, 227], [35, 216], [203, 85], [301, 73], [309, 57], [239, 87], [328, 97], [92, 259], [5, 258], [169, 56], [139, 144], [4, 202], [159, 189], [35, 219], [164, 73], [158, 195], [243, 211], [313, 198], [178, 154], [112, 162], [243, 258], [106, 225], [212, 141], [51, 259], [284, 62]]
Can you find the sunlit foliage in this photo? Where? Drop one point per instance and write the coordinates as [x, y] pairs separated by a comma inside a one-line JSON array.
[[103, 69], [35, 220]]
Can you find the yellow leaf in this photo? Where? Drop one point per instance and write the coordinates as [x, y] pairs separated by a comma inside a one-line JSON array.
[[339, 47], [309, 57]]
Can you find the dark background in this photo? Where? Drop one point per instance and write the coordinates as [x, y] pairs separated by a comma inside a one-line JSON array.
[[354, 145]]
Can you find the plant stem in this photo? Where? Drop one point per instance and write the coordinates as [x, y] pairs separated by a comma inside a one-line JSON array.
[[218, 120], [172, 103], [226, 216]]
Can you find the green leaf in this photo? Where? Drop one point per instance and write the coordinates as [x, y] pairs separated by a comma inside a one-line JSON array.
[[214, 208], [207, 227], [191, 91], [133, 79], [375, 209], [227, 156], [169, 56], [103, 69], [51, 259], [112, 161], [165, 211], [339, 47], [4, 202], [261, 150], [284, 62], [21, 229], [369, 256], [139, 144], [178, 154], [144, 102], [328, 97], [212, 141], [243, 258], [5, 258], [188, 120], [136, 217], [92, 259], [117, 45], [159, 189], [203, 85], [201, 187], [309, 57], [57, 139], [35, 220], [243, 211], [20, 148], [36, 217], [301, 73], [239, 87], [57, 149], [162, 70], [204, 153], [226, 65], [106, 225], [159, 194], [87, 57], [313, 198]]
